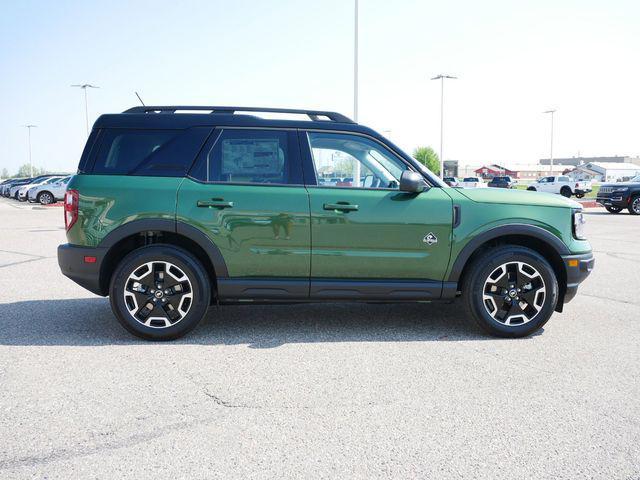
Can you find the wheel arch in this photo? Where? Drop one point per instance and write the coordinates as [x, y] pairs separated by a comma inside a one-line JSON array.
[[139, 233], [530, 236]]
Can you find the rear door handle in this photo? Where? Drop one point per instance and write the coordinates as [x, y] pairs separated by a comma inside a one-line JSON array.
[[215, 203], [343, 207]]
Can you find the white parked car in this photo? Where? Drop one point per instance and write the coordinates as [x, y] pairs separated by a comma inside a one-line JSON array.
[[562, 185], [472, 182], [47, 193], [22, 191]]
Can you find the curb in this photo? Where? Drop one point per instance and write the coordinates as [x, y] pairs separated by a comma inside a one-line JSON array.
[[589, 203]]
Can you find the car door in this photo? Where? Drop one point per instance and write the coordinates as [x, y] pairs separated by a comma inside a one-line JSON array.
[[245, 192], [368, 232]]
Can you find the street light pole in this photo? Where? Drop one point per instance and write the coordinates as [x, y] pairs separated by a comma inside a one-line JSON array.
[[84, 87], [551, 146], [355, 63], [441, 77], [29, 127]]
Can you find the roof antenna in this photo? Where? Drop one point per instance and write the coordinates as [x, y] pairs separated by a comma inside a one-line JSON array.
[[140, 99]]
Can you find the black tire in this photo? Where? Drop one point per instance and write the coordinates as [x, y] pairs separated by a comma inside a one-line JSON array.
[[634, 205], [565, 192], [478, 273], [531, 189], [614, 209], [188, 265], [45, 198], [579, 195]]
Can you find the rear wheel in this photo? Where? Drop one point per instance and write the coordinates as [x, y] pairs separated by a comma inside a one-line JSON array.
[[531, 189], [614, 209], [565, 192], [579, 195], [159, 292], [634, 206], [511, 291], [45, 198]]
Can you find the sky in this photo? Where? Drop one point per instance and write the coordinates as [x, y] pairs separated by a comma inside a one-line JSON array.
[[514, 60]]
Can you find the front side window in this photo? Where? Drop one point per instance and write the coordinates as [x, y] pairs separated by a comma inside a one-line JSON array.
[[344, 160], [248, 156]]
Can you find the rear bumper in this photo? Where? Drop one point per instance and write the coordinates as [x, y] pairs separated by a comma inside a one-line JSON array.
[[577, 268], [73, 264]]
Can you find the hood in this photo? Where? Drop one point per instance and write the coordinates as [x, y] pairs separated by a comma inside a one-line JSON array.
[[621, 184], [517, 197]]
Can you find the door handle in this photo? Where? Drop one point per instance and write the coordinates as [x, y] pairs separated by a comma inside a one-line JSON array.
[[343, 207], [215, 203]]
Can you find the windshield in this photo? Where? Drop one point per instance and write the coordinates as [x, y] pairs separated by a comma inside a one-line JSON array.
[[635, 179], [470, 179]]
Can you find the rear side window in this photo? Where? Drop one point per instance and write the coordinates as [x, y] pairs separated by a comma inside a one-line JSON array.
[[250, 156], [148, 152]]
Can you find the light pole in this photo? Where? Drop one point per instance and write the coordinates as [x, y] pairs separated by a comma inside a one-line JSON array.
[[551, 146], [441, 77], [355, 62], [29, 127], [84, 87], [356, 165]]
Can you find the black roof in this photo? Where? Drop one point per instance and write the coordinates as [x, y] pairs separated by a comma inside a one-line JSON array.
[[184, 116]]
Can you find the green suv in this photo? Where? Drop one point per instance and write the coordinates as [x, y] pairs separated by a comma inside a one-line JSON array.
[[174, 209]]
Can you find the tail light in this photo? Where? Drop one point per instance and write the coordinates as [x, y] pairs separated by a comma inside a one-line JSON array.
[[70, 208]]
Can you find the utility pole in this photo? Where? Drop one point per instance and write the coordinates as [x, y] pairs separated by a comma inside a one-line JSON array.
[[29, 127], [442, 77], [84, 87], [551, 144]]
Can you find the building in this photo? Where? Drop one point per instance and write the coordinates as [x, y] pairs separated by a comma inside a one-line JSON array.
[[605, 172], [494, 170], [575, 161]]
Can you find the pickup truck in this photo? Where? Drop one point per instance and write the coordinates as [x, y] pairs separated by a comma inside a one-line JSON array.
[[472, 182], [562, 185], [502, 182]]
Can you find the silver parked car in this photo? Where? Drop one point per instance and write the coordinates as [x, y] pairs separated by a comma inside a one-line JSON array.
[[48, 193], [22, 191]]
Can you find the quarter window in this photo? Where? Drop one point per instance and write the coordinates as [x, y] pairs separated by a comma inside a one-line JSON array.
[[352, 161]]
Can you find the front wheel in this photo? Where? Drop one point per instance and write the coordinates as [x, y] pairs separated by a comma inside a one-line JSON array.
[[159, 292], [614, 209], [579, 195], [531, 189], [510, 291]]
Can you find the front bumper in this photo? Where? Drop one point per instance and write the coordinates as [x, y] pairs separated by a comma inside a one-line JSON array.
[[73, 264], [577, 268], [617, 199]]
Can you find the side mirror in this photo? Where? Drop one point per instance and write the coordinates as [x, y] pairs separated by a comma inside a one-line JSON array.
[[412, 182]]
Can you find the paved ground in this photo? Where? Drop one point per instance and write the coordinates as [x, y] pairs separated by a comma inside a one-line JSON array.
[[342, 391]]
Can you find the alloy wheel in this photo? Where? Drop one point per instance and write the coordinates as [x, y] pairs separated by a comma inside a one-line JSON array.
[[635, 205], [514, 293], [45, 199], [158, 294]]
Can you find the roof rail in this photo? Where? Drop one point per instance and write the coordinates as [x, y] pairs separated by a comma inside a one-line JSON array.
[[314, 115]]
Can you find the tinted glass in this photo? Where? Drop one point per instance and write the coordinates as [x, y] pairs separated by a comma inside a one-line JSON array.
[[250, 156], [343, 160], [148, 152]]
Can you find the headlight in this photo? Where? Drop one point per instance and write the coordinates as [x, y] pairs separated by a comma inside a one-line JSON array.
[[578, 225], [620, 189]]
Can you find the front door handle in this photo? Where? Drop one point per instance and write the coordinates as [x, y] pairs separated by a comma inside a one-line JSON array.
[[343, 207], [215, 203]]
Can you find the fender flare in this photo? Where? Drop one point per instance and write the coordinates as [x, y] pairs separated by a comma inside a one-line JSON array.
[[166, 225], [532, 231]]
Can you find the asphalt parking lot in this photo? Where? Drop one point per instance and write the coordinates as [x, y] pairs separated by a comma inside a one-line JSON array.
[[314, 391]]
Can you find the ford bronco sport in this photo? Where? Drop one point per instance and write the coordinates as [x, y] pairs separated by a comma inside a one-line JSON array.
[[177, 208]]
